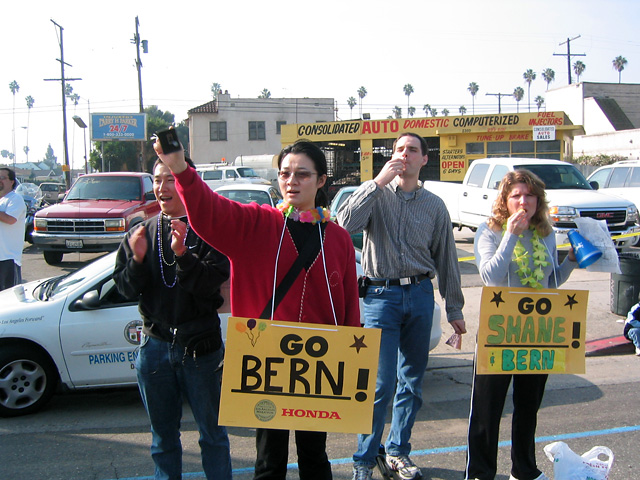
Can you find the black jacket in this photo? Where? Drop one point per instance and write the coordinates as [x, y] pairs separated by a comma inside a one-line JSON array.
[[178, 301]]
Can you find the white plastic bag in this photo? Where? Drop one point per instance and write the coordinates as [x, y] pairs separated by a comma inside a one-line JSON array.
[[597, 233], [568, 465]]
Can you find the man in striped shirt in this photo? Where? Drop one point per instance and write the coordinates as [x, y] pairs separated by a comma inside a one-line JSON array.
[[408, 240]]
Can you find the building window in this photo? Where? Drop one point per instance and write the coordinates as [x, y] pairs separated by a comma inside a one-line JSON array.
[[475, 148], [257, 131], [498, 148], [218, 131], [279, 125]]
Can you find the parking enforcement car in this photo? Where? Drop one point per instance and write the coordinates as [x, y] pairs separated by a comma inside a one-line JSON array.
[[74, 331]]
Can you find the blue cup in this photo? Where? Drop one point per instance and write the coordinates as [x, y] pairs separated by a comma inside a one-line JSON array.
[[585, 252]]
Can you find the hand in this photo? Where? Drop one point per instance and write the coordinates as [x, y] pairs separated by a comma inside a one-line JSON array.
[[178, 237], [458, 326], [138, 244], [390, 170], [572, 255], [518, 222], [175, 161]]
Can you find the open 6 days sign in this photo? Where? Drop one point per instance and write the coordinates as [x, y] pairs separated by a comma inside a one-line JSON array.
[[118, 127]]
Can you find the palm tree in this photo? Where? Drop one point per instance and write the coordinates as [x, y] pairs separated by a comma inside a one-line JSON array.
[[462, 109], [618, 64], [216, 88], [548, 75], [14, 87], [408, 90], [411, 111], [352, 103], [529, 76], [265, 93], [445, 112], [30, 101], [539, 101], [433, 112], [426, 108], [397, 112], [473, 89], [362, 92], [518, 93], [579, 69]]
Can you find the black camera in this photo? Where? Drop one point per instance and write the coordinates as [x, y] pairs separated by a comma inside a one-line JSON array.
[[169, 141]]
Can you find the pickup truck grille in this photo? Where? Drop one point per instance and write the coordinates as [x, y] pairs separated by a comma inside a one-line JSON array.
[[616, 219], [76, 226]]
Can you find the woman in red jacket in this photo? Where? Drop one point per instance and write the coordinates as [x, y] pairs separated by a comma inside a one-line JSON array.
[[262, 244]]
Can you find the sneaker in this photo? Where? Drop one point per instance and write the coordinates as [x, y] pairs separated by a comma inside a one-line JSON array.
[[362, 472], [403, 466], [638, 351], [542, 476]]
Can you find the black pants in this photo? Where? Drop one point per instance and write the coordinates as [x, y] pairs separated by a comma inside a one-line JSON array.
[[487, 403], [10, 274], [273, 452]]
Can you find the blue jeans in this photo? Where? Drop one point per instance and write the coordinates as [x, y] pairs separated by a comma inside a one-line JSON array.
[[405, 315], [634, 332], [165, 377]]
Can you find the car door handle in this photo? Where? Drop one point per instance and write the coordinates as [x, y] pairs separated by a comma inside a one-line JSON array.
[[485, 197], [464, 194]]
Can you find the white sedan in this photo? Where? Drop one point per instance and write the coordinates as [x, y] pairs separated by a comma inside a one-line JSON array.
[[77, 330], [251, 192]]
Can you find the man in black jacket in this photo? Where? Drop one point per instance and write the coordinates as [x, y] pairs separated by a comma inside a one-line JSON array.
[[176, 278]]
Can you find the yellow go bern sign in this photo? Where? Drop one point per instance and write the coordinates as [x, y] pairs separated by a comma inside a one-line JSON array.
[[299, 376], [532, 331]]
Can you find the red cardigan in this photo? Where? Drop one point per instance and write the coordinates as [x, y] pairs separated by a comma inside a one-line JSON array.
[[249, 235]]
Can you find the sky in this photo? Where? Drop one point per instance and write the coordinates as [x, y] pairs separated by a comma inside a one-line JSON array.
[[324, 49]]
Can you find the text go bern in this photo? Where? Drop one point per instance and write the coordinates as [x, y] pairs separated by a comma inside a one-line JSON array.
[[299, 376], [535, 331]]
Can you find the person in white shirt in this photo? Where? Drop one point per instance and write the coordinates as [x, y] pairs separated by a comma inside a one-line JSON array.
[[12, 213]]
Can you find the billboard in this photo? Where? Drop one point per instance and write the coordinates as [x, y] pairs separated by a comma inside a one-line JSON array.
[[118, 127]]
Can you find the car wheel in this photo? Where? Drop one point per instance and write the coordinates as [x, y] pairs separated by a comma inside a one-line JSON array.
[[52, 258], [27, 381]]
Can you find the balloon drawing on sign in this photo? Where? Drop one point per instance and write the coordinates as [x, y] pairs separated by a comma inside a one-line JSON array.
[[251, 325]]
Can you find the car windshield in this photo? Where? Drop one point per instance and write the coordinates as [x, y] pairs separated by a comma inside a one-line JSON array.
[[557, 177], [246, 172], [59, 285], [247, 196], [106, 188], [49, 187]]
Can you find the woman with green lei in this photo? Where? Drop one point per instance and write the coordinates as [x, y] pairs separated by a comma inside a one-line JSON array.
[[515, 248]]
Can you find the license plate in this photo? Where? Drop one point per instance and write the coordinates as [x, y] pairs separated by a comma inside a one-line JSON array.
[[74, 243]]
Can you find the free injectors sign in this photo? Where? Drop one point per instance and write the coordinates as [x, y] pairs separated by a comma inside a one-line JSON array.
[[299, 376], [532, 331]]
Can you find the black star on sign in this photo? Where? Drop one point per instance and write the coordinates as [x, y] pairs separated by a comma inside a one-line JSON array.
[[571, 301], [497, 298], [359, 343]]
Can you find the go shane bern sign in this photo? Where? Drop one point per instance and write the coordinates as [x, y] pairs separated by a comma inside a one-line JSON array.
[[299, 376], [531, 331]]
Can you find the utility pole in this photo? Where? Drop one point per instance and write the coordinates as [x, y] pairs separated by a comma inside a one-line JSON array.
[[136, 41], [569, 54], [63, 80], [500, 95]]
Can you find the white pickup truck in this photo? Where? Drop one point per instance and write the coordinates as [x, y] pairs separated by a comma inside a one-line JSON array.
[[568, 193]]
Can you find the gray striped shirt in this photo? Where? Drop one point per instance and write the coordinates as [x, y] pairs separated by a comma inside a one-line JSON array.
[[405, 235]]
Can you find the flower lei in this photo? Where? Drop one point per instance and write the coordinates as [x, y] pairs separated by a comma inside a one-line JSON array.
[[318, 214], [528, 276]]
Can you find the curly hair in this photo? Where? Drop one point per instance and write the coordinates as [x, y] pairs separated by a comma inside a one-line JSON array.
[[500, 212]]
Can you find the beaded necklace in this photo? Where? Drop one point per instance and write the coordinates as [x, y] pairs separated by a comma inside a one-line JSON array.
[[313, 216], [521, 256], [161, 256]]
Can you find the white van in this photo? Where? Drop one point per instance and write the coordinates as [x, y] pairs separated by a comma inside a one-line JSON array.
[[216, 175]]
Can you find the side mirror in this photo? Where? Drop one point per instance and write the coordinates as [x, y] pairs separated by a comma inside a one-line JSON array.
[[149, 196], [594, 185], [89, 301]]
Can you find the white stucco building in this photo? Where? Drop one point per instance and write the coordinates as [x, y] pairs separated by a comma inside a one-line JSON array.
[[609, 113], [228, 127]]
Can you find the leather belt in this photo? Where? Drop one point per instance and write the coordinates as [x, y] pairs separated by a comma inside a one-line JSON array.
[[379, 282]]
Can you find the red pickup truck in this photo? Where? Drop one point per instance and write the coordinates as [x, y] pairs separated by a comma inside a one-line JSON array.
[[95, 215]]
